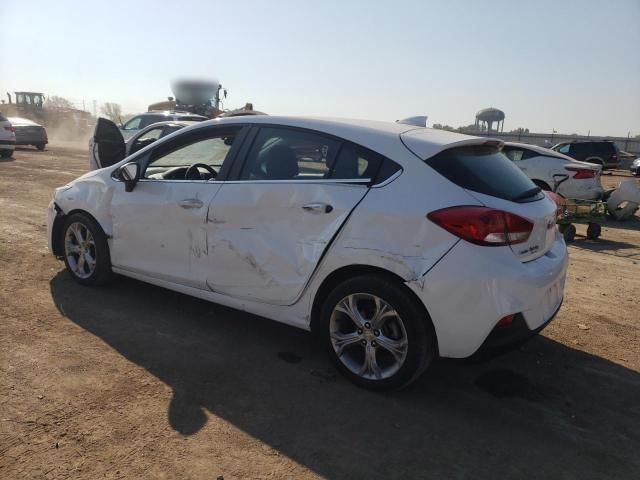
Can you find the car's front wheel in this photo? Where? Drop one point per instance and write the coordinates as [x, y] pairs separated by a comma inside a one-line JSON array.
[[377, 333], [40, 146], [86, 252]]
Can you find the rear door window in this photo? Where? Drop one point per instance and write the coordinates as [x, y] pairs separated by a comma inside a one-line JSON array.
[[604, 147], [513, 154], [483, 169], [288, 154], [149, 119], [133, 124], [580, 149]]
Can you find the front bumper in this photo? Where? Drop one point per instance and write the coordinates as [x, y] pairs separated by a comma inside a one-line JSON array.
[[472, 287], [52, 213]]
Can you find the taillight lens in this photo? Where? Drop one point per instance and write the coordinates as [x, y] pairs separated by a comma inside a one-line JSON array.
[[482, 225], [582, 172], [11, 128]]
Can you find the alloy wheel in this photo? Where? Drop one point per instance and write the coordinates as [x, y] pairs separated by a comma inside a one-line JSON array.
[[368, 336], [80, 250]]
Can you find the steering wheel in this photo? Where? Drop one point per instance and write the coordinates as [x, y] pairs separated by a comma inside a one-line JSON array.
[[192, 172]]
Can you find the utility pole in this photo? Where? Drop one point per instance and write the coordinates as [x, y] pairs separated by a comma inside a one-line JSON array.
[[626, 143], [95, 111]]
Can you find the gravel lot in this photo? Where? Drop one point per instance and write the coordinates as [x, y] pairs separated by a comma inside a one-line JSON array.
[[133, 381]]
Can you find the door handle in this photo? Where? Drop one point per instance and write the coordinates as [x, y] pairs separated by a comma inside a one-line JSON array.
[[191, 203], [317, 207]]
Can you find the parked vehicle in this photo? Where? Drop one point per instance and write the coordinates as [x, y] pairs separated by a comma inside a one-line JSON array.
[[635, 167], [143, 120], [392, 243], [603, 153], [144, 137], [7, 137], [546, 168], [29, 132]]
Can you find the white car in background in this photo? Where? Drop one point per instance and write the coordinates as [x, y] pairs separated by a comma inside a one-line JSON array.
[[548, 169], [143, 120], [393, 243], [7, 137]]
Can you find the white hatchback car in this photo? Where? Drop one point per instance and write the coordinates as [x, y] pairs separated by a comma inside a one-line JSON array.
[[549, 169], [393, 243]]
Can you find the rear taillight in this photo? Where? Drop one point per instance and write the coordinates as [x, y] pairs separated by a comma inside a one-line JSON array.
[[482, 225], [582, 172], [11, 128]]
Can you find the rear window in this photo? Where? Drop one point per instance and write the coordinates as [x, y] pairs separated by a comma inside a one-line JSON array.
[[483, 169]]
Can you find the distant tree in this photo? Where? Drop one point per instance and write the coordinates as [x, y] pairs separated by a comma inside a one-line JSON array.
[[439, 126], [56, 102], [520, 130], [112, 111]]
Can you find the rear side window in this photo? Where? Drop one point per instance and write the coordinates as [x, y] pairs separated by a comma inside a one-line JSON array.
[[604, 147], [3, 118], [580, 149], [483, 169]]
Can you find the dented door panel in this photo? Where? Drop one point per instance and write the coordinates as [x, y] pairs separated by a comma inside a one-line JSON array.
[[266, 238], [160, 229]]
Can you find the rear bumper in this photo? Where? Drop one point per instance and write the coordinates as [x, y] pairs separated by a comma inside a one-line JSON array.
[[7, 144], [31, 139], [470, 289], [503, 339]]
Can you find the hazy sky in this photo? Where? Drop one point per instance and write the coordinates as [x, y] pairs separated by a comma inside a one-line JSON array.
[[564, 64]]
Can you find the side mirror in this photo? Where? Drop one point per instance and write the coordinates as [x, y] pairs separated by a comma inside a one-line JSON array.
[[130, 174]]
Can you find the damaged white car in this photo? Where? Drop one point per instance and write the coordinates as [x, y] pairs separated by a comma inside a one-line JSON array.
[[391, 242]]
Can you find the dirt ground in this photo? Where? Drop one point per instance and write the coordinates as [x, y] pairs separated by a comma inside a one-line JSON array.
[[133, 381]]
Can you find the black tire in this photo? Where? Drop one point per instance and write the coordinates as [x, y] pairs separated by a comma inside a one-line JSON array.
[[102, 273], [593, 231], [420, 336], [568, 232], [40, 146], [597, 161], [6, 153]]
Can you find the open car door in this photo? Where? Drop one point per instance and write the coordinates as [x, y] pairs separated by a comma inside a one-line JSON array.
[[107, 145]]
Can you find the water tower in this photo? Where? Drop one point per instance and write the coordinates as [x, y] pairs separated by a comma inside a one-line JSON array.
[[486, 117]]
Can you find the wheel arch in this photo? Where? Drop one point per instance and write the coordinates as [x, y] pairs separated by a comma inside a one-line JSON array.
[[350, 271], [57, 241]]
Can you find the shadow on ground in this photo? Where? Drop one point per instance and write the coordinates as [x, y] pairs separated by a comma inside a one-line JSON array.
[[546, 411]]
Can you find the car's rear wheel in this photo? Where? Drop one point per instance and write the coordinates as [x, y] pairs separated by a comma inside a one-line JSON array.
[[40, 146], [377, 333], [86, 252], [6, 153]]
